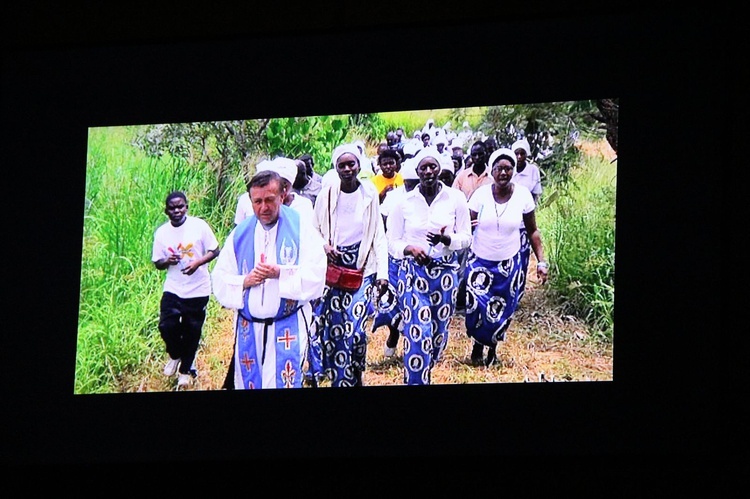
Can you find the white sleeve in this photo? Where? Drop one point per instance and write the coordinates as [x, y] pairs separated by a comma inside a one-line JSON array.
[[395, 232], [239, 212], [226, 280], [462, 236], [306, 280]]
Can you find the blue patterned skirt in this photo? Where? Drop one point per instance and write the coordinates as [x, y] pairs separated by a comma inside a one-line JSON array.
[[388, 310], [338, 342], [427, 295], [493, 290]]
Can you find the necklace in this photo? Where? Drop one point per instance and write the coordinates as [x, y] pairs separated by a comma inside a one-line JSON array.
[[497, 216]]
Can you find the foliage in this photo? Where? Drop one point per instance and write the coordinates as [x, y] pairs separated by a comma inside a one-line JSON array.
[[120, 289], [411, 121], [126, 187], [578, 231], [317, 136], [223, 145], [552, 130]]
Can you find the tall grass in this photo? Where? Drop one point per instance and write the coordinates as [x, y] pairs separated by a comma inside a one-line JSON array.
[[578, 230], [118, 338], [120, 288]]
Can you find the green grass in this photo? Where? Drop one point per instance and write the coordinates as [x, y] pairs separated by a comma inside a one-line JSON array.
[[578, 230], [120, 290]]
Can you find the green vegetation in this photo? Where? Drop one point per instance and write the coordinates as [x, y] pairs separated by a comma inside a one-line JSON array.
[[578, 230], [130, 170]]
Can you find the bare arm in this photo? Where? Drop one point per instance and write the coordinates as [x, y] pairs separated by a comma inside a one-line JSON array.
[[535, 238]]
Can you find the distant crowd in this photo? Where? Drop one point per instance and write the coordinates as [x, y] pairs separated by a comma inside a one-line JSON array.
[[439, 222]]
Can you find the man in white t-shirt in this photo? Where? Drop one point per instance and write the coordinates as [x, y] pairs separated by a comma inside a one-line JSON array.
[[183, 247]]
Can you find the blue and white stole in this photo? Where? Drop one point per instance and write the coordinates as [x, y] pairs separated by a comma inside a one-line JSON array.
[[251, 356]]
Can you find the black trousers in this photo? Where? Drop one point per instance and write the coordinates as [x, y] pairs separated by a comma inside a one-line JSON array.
[[181, 325]]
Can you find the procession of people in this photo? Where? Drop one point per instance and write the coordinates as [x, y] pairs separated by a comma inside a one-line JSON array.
[[313, 261]]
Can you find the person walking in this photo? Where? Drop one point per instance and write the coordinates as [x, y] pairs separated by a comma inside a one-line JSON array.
[[389, 163], [308, 182], [467, 180], [428, 227], [388, 311], [347, 217], [527, 174], [183, 247], [494, 272], [270, 268]]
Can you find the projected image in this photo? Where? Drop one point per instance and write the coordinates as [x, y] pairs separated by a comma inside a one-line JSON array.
[[422, 247]]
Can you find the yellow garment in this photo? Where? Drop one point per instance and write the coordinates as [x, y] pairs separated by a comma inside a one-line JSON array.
[[381, 182]]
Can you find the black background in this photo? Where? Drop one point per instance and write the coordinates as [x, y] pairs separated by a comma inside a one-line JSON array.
[[66, 69]]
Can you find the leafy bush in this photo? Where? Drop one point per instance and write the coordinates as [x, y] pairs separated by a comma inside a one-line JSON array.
[[578, 230]]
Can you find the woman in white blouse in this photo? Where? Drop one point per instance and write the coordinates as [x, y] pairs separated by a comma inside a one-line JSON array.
[[428, 227], [494, 269]]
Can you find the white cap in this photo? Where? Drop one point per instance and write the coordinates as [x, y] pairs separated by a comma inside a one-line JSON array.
[[521, 144], [408, 169], [343, 149], [427, 152], [264, 164], [286, 167], [503, 151], [446, 163], [412, 147]]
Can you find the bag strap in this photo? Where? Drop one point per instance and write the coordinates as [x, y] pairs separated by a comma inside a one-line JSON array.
[[330, 235]]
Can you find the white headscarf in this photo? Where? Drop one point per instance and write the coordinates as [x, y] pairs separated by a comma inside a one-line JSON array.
[[503, 151], [521, 144], [343, 149], [446, 163], [262, 165], [285, 167], [427, 152], [408, 169], [330, 177], [412, 147]]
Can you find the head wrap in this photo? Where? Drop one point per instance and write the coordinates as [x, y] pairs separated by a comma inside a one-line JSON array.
[[427, 152], [286, 167], [446, 163], [264, 164], [440, 139], [412, 147], [408, 170], [521, 144], [343, 149], [457, 144], [504, 152]]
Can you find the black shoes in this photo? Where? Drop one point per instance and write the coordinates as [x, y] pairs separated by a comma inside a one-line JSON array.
[[477, 355], [491, 357]]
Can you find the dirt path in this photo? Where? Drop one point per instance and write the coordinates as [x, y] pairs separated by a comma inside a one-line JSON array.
[[542, 344]]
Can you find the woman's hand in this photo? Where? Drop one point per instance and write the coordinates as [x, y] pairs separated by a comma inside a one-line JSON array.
[[419, 254], [334, 255], [436, 238], [382, 287], [542, 271]]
